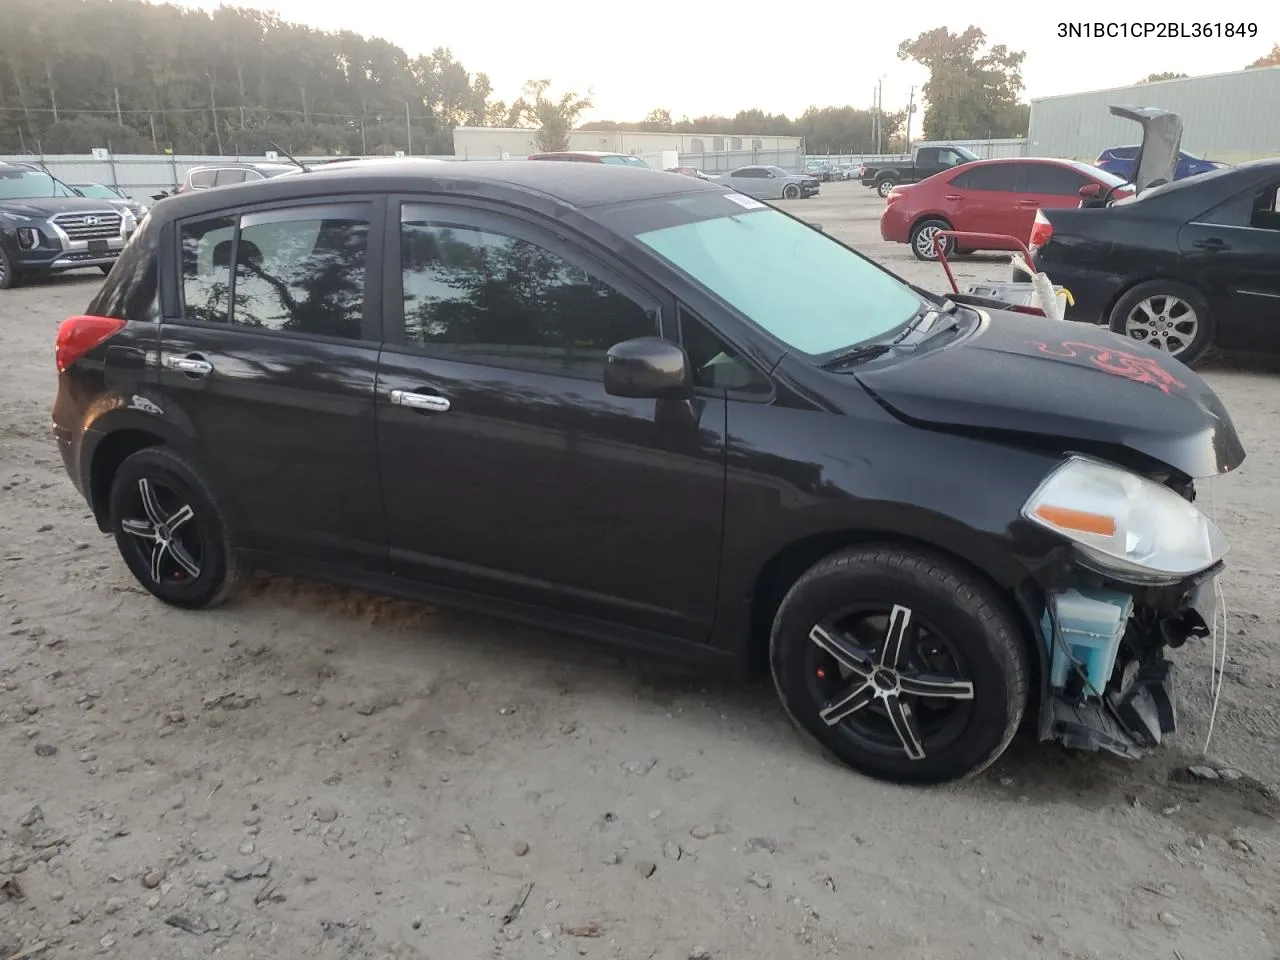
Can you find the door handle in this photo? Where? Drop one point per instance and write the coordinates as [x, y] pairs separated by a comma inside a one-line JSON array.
[[952, 196], [193, 365], [1211, 244], [419, 401]]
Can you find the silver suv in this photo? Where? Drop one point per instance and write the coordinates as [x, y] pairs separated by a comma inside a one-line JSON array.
[[223, 174]]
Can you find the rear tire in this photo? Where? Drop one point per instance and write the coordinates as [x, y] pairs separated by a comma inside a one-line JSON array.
[[1169, 316], [923, 243], [8, 272], [975, 660], [884, 186], [170, 531]]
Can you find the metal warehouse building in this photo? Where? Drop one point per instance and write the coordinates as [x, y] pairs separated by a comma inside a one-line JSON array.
[[1230, 117]]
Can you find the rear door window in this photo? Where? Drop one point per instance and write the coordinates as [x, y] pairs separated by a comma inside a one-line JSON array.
[[226, 177], [302, 270], [298, 270], [1049, 179]]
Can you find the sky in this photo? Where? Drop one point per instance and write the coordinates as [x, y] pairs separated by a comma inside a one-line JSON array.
[[721, 57]]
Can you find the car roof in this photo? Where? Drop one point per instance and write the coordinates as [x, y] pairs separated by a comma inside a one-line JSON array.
[[579, 153], [577, 186], [243, 165]]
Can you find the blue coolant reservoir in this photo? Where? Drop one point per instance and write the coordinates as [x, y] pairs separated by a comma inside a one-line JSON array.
[[1090, 625]]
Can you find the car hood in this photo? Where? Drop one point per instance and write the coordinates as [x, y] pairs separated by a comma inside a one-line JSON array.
[[1071, 384], [48, 206]]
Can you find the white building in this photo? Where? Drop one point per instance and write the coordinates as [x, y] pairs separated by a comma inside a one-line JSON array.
[[515, 142]]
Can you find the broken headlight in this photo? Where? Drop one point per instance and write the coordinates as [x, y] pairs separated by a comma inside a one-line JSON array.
[[1124, 523]]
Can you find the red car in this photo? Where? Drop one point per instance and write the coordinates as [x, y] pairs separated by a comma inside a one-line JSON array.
[[988, 196]]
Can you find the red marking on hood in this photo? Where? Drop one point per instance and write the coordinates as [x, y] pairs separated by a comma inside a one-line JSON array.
[[1118, 363]]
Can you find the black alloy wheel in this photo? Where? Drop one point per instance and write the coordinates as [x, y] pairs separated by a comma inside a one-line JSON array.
[[8, 273], [169, 530], [905, 666], [790, 192]]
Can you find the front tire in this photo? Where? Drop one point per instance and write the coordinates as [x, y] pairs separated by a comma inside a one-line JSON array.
[[902, 664], [924, 240], [8, 272], [1169, 316], [790, 192], [884, 186], [170, 531]]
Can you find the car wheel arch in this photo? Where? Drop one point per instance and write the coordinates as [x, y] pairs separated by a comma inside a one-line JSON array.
[[780, 572], [922, 217], [125, 437]]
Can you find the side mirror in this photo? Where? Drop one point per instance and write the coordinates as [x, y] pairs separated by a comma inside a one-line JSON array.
[[1090, 190], [647, 368]]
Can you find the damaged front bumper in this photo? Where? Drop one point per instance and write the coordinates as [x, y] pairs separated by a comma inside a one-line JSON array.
[[1107, 684]]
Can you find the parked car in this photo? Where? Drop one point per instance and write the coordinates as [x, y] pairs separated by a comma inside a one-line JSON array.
[[45, 227], [594, 156], [1122, 162], [771, 183], [926, 162], [690, 172], [385, 398], [1181, 267], [825, 172], [986, 196], [210, 175], [118, 199]]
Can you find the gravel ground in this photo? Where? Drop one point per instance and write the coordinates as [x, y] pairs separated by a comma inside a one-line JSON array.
[[315, 772]]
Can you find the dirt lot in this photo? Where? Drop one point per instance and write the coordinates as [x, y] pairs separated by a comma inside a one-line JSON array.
[[311, 772]]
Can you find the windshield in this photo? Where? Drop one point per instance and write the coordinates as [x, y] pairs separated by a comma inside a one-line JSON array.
[[967, 154], [808, 291], [625, 161], [97, 191], [778, 171], [29, 184]]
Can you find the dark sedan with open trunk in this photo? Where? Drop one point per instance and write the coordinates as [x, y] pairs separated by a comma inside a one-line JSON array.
[[655, 411]]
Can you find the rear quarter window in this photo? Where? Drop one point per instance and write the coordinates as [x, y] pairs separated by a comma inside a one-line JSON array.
[[132, 289]]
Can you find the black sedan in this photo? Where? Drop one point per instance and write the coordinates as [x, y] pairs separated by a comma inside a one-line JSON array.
[[655, 411], [1182, 267]]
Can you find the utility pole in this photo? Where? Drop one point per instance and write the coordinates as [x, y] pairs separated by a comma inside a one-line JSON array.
[[408, 129], [911, 106]]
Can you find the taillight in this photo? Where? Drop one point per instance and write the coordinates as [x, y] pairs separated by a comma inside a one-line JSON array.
[[78, 335], [1041, 230]]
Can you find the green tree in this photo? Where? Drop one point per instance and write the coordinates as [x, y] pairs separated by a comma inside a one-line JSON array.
[[231, 80], [554, 119], [1157, 77], [970, 93]]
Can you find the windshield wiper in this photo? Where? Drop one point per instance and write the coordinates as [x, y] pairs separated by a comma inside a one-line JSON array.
[[867, 351]]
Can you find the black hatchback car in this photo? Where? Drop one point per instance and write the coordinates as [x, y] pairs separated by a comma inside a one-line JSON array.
[[652, 410]]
